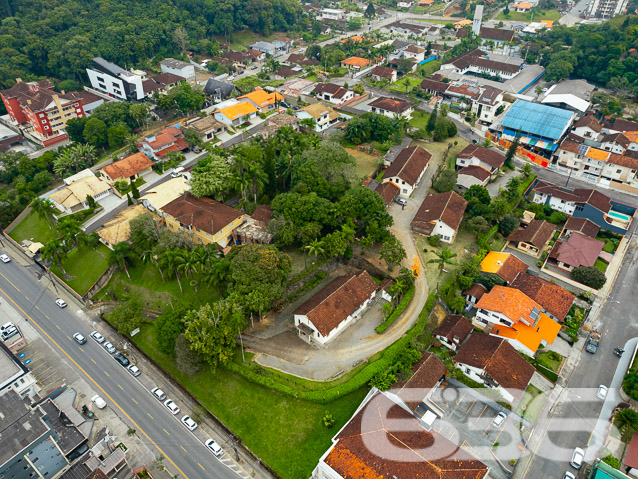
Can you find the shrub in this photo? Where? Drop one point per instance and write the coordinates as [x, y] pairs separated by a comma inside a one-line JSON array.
[[434, 240], [612, 461], [328, 420], [383, 381], [589, 276], [397, 312]]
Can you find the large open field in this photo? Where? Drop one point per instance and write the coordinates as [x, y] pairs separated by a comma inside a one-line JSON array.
[[366, 164]]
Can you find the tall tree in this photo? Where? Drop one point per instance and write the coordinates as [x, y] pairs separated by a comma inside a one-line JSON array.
[[122, 255], [44, 209], [443, 258], [211, 176]]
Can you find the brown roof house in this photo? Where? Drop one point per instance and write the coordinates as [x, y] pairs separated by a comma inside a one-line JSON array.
[[555, 300], [380, 73], [494, 362], [388, 191], [255, 229], [453, 331], [533, 238], [504, 265], [427, 374], [474, 293], [334, 307], [127, 169], [371, 445], [580, 225], [407, 169], [475, 155], [471, 175], [440, 214], [208, 221], [392, 107]]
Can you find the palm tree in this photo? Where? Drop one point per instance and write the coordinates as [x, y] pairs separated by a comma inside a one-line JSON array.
[[121, 255], [242, 181], [406, 83], [87, 153], [130, 141], [443, 257], [63, 164], [216, 274], [44, 209], [172, 259], [271, 64], [55, 253], [69, 228], [348, 233], [259, 179]]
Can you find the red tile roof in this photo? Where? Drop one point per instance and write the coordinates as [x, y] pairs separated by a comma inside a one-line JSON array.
[[477, 290], [426, 374], [554, 299], [391, 104], [337, 300], [129, 166], [455, 328], [594, 198], [475, 171], [163, 138], [361, 447], [579, 250], [433, 85], [537, 233], [506, 269], [589, 121], [631, 459], [446, 207], [208, 215], [498, 359], [383, 72], [388, 191], [262, 213], [486, 155], [582, 225], [623, 160], [409, 165]]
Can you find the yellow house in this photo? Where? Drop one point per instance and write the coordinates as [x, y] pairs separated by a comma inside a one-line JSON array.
[[208, 221]]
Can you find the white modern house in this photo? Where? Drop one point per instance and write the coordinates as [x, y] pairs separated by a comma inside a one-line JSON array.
[[178, 67], [115, 81], [333, 308], [332, 14]]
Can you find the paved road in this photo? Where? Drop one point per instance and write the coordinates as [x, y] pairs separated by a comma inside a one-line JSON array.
[[129, 397], [577, 409]]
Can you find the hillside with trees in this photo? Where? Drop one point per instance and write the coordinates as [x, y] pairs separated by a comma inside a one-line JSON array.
[[59, 39]]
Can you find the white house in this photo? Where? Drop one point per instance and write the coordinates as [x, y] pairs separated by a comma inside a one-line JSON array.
[[494, 363], [392, 107], [407, 169], [236, 113], [15, 375], [404, 4], [487, 104], [453, 331], [323, 115], [486, 158], [333, 93], [414, 52], [557, 198], [440, 214], [334, 307], [115, 81], [332, 14], [178, 67], [73, 196]]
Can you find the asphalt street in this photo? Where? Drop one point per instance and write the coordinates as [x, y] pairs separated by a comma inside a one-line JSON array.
[[578, 409], [184, 451]]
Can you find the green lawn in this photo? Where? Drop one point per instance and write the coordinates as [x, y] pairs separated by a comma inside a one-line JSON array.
[[419, 119], [399, 85], [366, 164], [32, 228], [286, 433], [84, 267], [430, 68], [147, 284], [601, 265], [552, 15], [531, 404], [550, 359]]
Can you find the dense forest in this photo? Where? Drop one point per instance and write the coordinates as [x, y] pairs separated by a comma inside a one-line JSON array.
[[58, 39], [601, 54]]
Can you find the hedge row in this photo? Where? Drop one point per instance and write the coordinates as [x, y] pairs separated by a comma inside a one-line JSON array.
[[390, 354], [397, 312], [548, 373]]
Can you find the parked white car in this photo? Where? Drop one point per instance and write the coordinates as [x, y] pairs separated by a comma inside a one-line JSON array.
[[214, 447], [578, 456], [189, 423], [98, 401], [602, 392], [4, 258], [172, 407]]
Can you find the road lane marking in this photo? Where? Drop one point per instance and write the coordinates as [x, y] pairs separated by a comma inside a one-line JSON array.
[[167, 433], [80, 348], [134, 400], [10, 283], [200, 466], [27, 298], [182, 448], [120, 387], [69, 338], [107, 374], [95, 382], [37, 307], [93, 360], [46, 316], [58, 327], [149, 415]]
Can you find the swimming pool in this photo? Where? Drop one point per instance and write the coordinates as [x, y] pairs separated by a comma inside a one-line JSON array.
[[619, 216]]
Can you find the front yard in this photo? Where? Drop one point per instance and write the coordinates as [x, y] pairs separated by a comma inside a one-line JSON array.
[[531, 404], [84, 267], [400, 84], [32, 228], [366, 164], [419, 119], [287, 433]]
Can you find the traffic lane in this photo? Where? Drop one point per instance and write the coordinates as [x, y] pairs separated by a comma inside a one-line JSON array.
[[56, 322]]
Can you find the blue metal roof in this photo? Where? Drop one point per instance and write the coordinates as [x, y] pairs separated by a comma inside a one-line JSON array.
[[539, 120]]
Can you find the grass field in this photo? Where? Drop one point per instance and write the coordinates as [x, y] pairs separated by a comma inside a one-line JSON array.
[[84, 267], [242, 40], [419, 119], [32, 228], [531, 404], [399, 85], [147, 284], [600, 265], [551, 15], [430, 68], [288, 434], [366, 164], [438, 148]]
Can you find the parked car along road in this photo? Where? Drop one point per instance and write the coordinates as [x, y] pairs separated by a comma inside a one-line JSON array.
[[4, 258], [60, 302], [99, 402]]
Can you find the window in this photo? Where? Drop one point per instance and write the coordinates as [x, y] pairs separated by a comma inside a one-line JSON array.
[[618, 171]]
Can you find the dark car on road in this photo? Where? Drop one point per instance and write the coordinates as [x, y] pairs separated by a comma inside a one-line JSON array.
[[120, 358]]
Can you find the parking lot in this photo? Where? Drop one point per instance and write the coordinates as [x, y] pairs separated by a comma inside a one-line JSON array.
[[34, 355], [467, 420]]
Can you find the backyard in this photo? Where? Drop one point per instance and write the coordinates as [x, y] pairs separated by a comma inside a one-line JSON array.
[[32, 228], [419, 119], [288, 434], [438, 148], [400, 84], [531, 404], [84, 267], [366, 164]]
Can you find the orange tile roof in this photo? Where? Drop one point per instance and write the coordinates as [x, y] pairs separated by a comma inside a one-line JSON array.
[[510, 302], [356, 61], [522, 5], [505, 265], [355, 38], [462, 23], [129, 166], [546, 329], [596, 154], [261, 97], [240, 109], [631, 136], [549, 23]]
